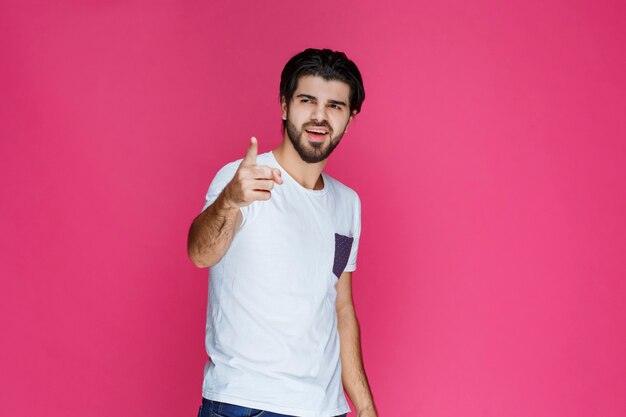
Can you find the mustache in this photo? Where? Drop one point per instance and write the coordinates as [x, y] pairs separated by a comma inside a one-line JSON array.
[[326, 125]]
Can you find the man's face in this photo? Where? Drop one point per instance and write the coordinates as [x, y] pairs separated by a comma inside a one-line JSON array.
[[317, 116]]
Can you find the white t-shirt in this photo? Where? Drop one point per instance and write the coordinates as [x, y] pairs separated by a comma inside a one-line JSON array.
[[271, 331]]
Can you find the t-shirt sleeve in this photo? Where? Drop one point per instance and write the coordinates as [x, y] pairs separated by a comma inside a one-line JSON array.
[[351, 266], [221, 180]]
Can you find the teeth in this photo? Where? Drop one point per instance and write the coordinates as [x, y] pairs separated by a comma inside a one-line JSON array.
[[317, 131]]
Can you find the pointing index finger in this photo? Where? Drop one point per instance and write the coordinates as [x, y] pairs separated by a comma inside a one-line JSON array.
[[251, 153]]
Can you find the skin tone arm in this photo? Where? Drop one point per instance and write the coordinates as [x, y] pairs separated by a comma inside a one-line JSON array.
[[212, 232], [352, 371]]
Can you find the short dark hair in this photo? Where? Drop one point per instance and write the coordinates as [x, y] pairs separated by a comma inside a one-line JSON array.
[[325, 63]]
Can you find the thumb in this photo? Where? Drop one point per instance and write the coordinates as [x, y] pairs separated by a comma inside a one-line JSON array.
[[250, 158], [276, 175]]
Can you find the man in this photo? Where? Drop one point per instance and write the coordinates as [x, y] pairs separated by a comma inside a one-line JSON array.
[[281, 238]]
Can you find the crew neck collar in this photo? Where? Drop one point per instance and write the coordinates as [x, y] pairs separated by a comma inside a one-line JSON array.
[[290, 178]]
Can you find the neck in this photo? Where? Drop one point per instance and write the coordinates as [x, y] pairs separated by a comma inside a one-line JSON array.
[[308, 175]]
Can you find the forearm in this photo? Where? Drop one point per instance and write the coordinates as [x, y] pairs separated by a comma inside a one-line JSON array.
[[212, 232], [352, 371]]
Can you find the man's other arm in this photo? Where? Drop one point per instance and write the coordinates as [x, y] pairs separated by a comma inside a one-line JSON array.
[[213, 230], [352, 370]]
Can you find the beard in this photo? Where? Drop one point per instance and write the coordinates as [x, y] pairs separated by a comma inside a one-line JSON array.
[[311, 152]]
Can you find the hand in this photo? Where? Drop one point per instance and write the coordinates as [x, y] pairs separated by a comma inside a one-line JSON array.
[[251, 182]]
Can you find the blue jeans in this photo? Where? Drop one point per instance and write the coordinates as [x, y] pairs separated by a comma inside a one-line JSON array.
[[210, 408]]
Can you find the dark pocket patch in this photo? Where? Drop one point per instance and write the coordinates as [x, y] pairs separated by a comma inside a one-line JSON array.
[[343, 246]]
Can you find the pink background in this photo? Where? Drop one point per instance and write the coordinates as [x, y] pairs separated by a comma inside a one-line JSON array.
[[489, 157]]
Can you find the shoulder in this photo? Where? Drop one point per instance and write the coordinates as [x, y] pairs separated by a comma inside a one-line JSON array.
[[347, 205], [342, 191], [230, 167], [223, 177], [227, 171]]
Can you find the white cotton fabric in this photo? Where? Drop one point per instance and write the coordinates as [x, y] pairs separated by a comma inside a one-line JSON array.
[[271, 330]]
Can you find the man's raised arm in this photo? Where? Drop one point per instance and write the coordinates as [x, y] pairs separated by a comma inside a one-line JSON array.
[[212, 231]]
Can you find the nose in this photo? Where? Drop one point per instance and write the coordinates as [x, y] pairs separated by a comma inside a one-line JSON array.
[[319, 113]]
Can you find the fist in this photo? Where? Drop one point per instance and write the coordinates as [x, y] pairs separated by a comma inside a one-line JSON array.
[[251, 182]]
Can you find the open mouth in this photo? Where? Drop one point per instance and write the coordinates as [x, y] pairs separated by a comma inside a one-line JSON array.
[[316, 134]]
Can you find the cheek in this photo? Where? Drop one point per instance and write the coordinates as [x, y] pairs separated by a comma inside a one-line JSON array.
[[339, 125], [296, 118]]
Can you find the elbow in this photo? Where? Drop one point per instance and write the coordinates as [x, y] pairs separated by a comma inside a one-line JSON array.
[[203, 260], [346, 312], [198, 260], [200, 263], [196, 255], [202, 254]]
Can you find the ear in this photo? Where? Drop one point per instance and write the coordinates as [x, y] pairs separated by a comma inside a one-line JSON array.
[[349, 120], [283, 107]]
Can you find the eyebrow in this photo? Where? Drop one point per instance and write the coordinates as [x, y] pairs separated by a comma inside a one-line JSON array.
[[340, 103]]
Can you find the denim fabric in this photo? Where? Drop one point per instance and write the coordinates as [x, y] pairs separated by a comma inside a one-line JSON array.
[[210, 408]]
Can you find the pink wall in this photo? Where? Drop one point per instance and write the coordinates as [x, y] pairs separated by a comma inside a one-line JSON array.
[[489, 157]]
